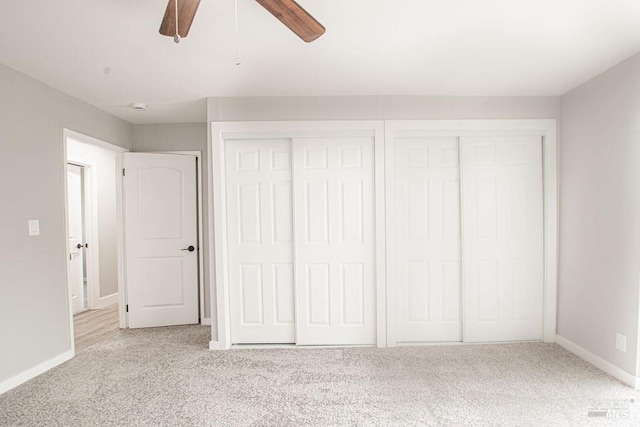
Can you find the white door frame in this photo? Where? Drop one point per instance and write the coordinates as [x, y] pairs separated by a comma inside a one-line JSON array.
[[223, 131], [461, 128], [198, 155], [70, 134]]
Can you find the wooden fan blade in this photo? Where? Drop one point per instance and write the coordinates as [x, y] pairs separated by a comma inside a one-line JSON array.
[[186, 12], [295, 17]]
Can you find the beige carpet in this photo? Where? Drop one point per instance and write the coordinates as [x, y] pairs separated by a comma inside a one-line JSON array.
[[167, 377]]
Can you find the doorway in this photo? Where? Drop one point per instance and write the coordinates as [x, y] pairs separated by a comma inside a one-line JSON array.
[[104, 172], [163, 261], [93, 242], [78, 282]]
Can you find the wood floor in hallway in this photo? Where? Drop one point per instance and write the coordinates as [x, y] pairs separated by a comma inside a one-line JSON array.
[[93, 326]]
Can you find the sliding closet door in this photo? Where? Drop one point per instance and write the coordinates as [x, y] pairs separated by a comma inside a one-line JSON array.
[[502, 238], [260, 241], [427, 211], [334, 241]]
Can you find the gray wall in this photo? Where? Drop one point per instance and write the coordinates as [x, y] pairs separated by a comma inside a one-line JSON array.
[[379, 108], [179, 137], [600, 214], [34, 314], [105, 164]]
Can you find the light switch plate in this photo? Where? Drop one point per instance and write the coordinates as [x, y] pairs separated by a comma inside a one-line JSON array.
[[34, 227], [621, 342]]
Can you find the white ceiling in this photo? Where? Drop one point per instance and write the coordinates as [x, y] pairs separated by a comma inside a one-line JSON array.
[[109, 52]]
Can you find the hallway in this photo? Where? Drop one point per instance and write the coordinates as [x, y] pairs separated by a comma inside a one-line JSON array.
[[93, 326]]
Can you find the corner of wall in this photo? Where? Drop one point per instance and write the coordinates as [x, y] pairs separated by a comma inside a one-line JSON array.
[[598, 362]]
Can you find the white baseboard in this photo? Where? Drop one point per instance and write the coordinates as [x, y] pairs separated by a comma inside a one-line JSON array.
[[214, 345], [43, 367], [205, 321], [108, 300], [598, 362]]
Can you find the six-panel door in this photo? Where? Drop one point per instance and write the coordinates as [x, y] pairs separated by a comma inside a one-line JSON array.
[[260, 241], [301, 251], [334, 241], [503, 238], [427, 238]]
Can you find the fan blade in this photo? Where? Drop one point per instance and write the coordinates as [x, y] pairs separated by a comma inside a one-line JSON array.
[[295, 17], [186, 12]]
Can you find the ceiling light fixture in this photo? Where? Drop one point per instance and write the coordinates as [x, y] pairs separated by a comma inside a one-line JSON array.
[[139, 106]]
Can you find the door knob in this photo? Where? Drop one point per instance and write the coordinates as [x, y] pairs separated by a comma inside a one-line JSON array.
[[190, 249], [79, 246]]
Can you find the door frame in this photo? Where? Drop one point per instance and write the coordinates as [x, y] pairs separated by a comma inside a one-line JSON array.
[[70, 134], [546, 129], [198, 155], [223, 131]]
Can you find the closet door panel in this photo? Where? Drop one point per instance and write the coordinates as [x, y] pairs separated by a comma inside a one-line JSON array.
[[427, 240], [334, 241], [260, 241], [503, 238]]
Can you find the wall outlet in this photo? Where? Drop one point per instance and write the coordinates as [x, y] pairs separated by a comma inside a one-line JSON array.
[[621, 342], [34, 227]]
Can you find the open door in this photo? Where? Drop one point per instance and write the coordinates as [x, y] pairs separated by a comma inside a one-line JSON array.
[[76, 237], [161, 239]]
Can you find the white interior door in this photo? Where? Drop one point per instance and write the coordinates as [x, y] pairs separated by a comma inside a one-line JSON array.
[[76, 236], [334, 241], [427, 274], [260, 241], [502, 238], [161, 239]]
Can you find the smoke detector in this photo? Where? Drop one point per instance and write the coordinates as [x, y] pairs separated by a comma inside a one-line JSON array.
[[139, 106]]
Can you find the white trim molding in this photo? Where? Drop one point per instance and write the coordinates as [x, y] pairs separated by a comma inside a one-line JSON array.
[[108, 300], [205, 321], [39, 369], [598, 362], [68, 133]]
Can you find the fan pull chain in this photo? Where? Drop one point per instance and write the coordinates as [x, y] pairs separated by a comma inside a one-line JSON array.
[[176, 38], [237, 58]]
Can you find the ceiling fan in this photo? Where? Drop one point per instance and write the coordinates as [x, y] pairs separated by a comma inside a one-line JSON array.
[[180, 13]]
